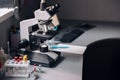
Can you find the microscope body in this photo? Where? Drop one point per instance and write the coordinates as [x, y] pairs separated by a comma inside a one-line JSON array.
[[46, 20]]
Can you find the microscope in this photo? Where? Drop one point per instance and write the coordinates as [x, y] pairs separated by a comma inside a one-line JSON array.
[[36, 31]]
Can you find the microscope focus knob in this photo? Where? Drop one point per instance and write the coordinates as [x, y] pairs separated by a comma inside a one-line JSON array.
[[23, 43], [43, 48]]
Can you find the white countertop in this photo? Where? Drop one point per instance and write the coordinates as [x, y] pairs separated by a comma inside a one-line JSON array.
[[70, 68]]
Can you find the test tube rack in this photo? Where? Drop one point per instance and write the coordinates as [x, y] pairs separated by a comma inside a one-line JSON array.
[[17, 69]]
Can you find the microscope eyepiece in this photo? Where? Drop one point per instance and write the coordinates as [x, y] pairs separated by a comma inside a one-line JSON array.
[[42, 5]]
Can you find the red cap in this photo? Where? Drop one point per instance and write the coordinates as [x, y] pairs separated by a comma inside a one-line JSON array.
[[20, 58], [15, 58]]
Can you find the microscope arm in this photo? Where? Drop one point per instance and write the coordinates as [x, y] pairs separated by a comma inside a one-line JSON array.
[[24, 27]]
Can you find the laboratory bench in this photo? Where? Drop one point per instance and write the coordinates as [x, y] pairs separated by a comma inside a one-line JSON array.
[[100, 30], [70, 67]]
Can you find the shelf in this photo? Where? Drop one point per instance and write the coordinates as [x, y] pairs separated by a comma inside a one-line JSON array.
[[5, 13]]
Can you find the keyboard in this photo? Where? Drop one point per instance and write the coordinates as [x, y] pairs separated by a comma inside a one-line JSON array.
[[69, 37], [68, 34]]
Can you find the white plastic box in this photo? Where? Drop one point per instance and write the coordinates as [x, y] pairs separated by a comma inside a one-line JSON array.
[[17, 69]]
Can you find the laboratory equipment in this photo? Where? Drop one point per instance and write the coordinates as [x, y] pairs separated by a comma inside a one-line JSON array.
[[17, 67], [47, 23]]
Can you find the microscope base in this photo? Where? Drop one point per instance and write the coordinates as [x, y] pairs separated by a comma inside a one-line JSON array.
[[46, 59]]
